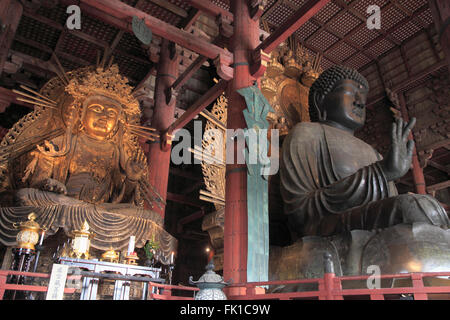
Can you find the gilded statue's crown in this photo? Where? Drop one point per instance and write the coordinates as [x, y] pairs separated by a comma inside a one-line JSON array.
[[107, 82]]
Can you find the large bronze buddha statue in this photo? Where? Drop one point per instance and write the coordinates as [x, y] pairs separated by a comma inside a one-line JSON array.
[[339, 193], [85, 164]]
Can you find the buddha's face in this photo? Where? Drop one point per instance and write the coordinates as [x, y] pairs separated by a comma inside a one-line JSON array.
[[101, 116], [346, 104]]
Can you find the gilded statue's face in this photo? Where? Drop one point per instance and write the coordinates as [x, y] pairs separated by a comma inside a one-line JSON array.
[[100, 117], [346, 104]]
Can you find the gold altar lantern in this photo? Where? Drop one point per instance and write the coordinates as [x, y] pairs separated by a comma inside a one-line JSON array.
[[81, 241], [28, 235], [111, 256]]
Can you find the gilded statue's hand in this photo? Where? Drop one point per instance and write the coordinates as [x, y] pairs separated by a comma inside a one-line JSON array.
[[398, 160], [52, 185], [135, 166]]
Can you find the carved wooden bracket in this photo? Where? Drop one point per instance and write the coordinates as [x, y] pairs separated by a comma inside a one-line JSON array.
[[166, 141], [424, 156], [223, 70], [171, 95], [259, 63], [256, 8], [225, 28]]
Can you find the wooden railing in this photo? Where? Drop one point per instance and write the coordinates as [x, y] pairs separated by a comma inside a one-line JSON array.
[[164, 291], [330, 288]]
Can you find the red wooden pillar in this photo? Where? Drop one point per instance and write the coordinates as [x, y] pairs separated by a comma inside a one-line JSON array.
[[163, 116], [440, 10], [417, 171], [10, 14], [243, 42]]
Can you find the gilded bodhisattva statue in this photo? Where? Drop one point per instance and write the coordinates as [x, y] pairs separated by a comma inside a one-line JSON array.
[[82, 161]]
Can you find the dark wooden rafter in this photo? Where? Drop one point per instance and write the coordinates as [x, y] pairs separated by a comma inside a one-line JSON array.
[[192, 217], [98, 42], [193, 187], [124, 12], [432, 46], [197, 107], [10, 14], [269, 10], [438, 166], [405, 60], [291, 25], [308, 46], [184, 200], [261, 54], [7, 95], [189, 21], [170, 7], [389, 31], [49, 50], [438, 186], [184, 174], [341, 37], [209, 8], [418, 76]]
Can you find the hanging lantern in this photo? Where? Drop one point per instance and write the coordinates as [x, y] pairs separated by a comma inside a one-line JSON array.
[[28, 235], [81, 241]]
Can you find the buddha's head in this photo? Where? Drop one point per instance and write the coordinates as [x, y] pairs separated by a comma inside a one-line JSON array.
[[103, 99], [339, 95], [100, 116]]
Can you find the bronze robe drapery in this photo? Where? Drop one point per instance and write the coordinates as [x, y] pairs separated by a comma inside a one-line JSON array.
[[332, 181]]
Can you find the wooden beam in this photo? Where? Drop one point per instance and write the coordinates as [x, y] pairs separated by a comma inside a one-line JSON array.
[[193, 187], [86, 37], [418, 76], [10, 14], [7, 96], [211, 9], [184, 174], [171, 7], [438, 166], [308, 46], [49, 50], [198, 106], [438, 186], [389, 31], [291, 25], [124, 12], [272, 8], [192, 217], [189, 21], [39, 65], [187, 74], [184, 200]]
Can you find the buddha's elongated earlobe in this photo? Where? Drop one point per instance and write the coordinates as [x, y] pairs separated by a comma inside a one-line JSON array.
[[317, 102]]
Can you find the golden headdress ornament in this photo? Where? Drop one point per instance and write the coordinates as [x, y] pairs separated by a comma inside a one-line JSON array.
[[107, 82]]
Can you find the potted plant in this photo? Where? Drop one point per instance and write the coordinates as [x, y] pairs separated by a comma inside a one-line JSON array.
[[150, 249]]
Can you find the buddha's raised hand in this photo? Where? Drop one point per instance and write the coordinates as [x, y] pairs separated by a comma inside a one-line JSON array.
[[398, 159], [136, 166]]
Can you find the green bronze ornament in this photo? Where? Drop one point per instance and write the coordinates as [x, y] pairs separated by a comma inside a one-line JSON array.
[[258, 165], [141, 31]]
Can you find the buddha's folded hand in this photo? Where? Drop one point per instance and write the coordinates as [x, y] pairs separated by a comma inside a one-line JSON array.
[[52, 185]]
